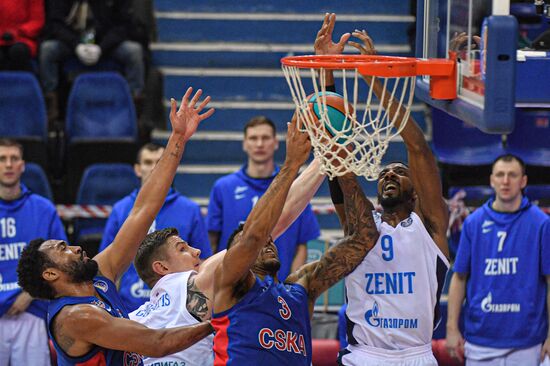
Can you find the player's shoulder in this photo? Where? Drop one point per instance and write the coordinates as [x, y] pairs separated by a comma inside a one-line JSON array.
[[41, 202], [77, 313], [475, 216], [536, 212]]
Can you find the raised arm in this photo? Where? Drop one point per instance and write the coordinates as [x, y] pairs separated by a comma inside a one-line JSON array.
[[430, 205], [114, 260], [79, 327], [236, 265], [325, 46], [300, 194], [341, 259]]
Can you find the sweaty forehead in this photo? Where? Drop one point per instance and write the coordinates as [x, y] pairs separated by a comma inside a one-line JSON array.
[[50, 244]]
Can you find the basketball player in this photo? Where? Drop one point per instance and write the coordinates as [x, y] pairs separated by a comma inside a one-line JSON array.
[[182, 290], [86, 319], [501, 263], [255, 316], [393, 294]]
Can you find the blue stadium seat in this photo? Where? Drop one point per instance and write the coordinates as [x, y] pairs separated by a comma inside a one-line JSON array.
[[100, 107], [456, 142], [531, 136], [35, 179], [23, 114], [102, 184], [101, 125], [22, 108]]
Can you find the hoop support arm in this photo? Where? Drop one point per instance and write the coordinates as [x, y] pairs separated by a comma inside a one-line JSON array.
[[442, 74]]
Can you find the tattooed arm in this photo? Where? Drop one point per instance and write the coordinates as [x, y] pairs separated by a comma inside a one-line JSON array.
[[341, 259], [198, 304]]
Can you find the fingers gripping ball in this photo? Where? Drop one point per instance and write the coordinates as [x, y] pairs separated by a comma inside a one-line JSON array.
[[333, 116]]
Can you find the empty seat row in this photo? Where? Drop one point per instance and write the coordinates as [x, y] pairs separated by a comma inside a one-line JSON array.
[[100, 124]]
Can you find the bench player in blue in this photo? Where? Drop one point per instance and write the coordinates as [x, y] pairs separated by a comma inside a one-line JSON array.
[[259, 320], [86, 318], [502, 272]]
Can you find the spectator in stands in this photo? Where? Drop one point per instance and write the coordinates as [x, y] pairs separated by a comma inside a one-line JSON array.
[[91, 30], [234, 195], [23, 216], [178, 212], [500, 270], [20, 25]]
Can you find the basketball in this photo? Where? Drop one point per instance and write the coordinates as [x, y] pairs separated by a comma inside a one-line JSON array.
[[336, 112]]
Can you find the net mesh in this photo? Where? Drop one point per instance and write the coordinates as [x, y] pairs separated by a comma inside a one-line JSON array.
[[372, 121]]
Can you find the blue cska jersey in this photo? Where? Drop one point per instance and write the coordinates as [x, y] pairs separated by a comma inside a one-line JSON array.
[[506, 289], [269, 326], [109, 301]]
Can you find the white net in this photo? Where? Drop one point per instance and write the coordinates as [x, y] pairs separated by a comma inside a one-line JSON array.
[[373, 118]]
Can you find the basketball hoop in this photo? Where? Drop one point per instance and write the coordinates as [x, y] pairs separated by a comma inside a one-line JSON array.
[[359, 142]]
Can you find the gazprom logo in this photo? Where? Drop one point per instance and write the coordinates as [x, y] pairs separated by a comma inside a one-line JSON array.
[[488, 307], [374, 320], [371, 316], [140, 291]]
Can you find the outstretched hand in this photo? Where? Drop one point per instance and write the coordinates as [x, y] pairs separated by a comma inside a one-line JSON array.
[[367, 48], [323, 43], [186, 119], [460, 41], [298, 144]]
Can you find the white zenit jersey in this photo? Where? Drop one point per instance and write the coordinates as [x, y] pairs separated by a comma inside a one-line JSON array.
[[167, 309], [393, 295]]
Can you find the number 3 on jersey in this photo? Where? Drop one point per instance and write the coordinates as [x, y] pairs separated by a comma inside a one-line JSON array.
[[284, 311], [386, 243]]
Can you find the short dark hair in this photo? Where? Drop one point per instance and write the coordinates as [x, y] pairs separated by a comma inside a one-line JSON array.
[[32, 263], [11, 143], [234, 234], [148, 146], [148, 252], [508, 158], [258, 121]]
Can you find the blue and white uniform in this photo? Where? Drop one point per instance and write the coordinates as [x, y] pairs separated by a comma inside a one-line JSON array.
[[168, 309], [393, 297], [269, 326], [231, 200], [109, 301], [506, 289], [177, 211], [26, 218]]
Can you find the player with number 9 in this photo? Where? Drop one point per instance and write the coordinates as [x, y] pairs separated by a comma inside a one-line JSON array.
[[407, 267]]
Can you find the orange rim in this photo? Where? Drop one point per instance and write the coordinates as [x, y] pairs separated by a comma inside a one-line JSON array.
[[374, 65]]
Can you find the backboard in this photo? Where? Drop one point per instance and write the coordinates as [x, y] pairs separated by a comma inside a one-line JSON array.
[[483, 35]]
